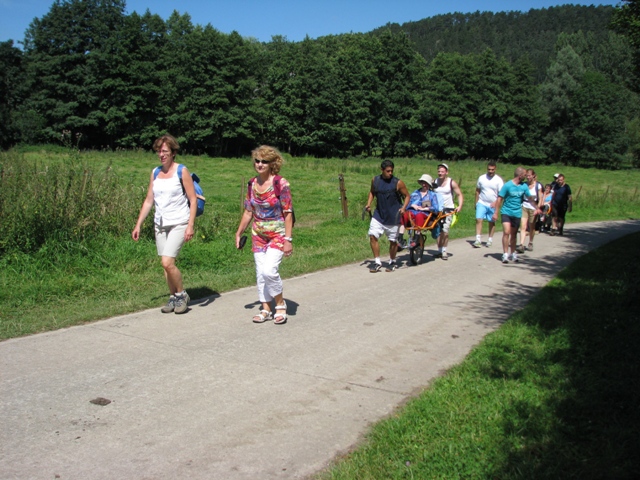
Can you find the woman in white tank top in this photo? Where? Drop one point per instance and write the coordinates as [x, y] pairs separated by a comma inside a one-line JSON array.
[[175, 204]]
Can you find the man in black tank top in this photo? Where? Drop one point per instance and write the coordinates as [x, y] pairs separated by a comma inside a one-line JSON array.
[[388, 191]]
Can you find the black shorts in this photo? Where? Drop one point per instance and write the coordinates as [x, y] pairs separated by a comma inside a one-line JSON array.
[[514, 221], [559, 211]]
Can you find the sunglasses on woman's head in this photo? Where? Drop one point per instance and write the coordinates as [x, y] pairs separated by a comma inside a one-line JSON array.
[[264, 162]]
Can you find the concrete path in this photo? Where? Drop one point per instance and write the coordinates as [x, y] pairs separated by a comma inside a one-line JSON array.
[[210, 395]]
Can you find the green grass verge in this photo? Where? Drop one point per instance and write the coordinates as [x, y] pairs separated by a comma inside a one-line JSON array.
[[554, 393], [68, 282]]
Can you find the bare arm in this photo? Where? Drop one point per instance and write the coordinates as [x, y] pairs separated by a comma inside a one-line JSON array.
[[288, 230], [144, 210], [498, 207], [190, 191], [244, 223], [540, 198], [456, 188], [402, 188], [370, 197]]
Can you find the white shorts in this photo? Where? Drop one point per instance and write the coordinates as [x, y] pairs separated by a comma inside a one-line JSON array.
[[376, 229], [169, 239]]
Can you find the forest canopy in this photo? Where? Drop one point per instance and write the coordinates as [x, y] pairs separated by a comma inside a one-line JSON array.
[[548, 85]]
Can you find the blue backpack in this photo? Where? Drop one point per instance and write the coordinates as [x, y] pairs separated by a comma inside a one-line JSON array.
[[196, 186]]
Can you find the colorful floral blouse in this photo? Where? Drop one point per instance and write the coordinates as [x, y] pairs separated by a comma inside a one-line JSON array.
[[268, 230]]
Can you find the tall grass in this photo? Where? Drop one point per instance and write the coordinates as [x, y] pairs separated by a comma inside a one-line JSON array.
[[66, 255], [67, 201]]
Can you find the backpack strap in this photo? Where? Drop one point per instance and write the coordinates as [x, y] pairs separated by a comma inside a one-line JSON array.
[[250, 186], [156, 171], [277, 189]]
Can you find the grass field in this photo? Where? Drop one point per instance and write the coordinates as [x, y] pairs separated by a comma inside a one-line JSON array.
[[68, 282]]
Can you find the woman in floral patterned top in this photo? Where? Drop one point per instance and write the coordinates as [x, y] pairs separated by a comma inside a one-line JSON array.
[[268, 203]]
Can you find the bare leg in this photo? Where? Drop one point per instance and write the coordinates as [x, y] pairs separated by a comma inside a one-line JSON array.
[[375, 246], [513, 240], [523, 229], [172, 275], [506, 234], [443, 240], [479, 227], [393, 249], [492, 229]]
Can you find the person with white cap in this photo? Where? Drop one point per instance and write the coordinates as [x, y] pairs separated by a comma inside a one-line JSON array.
[[487, 189], [446, 187], [421, 202]]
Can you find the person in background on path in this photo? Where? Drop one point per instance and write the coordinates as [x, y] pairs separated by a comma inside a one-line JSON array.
[[561, 203], [268, 204], [529, 209], [446, 187], [545, 216], [509, 205], [175, 213], [387, 190], [487, 189]]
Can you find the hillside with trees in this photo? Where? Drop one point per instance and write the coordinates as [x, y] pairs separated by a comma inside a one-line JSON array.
[[511, 35], [551, 85]]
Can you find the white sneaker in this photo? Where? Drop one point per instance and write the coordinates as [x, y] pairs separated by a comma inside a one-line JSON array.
[[514, 257], [489, 243], [505, 258], [477, 244]]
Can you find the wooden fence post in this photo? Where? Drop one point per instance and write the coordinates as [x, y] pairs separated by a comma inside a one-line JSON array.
[[343, 197]]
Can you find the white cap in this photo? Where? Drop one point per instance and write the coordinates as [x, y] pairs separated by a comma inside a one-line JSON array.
[[426, 178], [556, 175], [444, 165]]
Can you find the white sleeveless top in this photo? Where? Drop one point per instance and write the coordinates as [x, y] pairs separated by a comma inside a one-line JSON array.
[[170, 201], [531, 204], [447, 193]]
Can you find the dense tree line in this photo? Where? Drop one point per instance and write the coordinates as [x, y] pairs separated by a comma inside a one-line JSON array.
[[121, 79], [509, 34]]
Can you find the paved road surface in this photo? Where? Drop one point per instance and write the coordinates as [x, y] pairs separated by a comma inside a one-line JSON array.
[[210, 395]]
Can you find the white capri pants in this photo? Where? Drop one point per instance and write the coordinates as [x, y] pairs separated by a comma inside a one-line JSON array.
[[267, 274]]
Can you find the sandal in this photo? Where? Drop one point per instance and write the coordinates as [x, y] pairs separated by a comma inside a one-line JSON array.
[[280, 317], [262, 316]]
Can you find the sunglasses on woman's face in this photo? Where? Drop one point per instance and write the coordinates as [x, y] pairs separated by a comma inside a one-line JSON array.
[[264, 162]]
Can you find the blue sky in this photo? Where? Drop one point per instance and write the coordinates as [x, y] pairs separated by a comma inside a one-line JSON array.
[[294, 19]]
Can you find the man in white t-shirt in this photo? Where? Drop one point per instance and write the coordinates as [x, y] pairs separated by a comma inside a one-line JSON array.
[[487, 190]]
